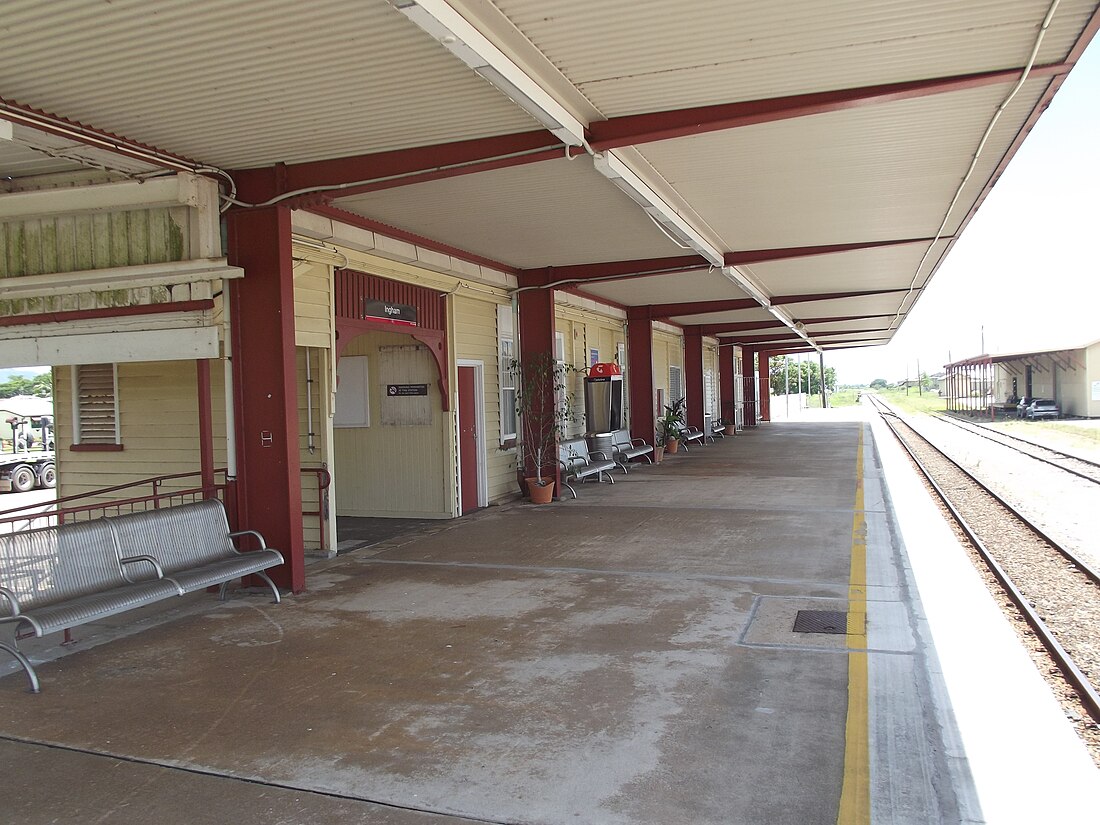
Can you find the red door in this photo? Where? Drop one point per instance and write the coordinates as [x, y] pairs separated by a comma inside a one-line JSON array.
[[468, 452]]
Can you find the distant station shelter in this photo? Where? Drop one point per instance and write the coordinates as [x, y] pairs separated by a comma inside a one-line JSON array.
[[997, 383]]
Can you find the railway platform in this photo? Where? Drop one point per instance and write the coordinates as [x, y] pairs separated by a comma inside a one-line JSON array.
[[629, 657]]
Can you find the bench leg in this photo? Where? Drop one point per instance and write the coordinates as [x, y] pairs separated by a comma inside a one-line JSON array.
[[32, 676], [622, 464], [271, 584], [569, 487]]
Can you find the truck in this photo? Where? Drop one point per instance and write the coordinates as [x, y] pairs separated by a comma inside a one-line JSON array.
[[20, 472], [25, 468]]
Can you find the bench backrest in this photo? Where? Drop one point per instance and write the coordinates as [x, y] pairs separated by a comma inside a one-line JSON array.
[[55, 564], [178, 537], [573, 449]]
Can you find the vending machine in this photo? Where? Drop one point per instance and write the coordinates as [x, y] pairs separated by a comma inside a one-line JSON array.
[[603, 405]]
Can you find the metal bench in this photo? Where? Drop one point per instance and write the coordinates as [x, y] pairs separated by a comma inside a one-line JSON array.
[[691, 434], [59, 577], [626, 448], [194, 547], [717, 429], [577, 463]]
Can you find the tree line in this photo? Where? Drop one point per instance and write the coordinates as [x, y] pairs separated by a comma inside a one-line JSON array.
[[787, 375], [39, 385]]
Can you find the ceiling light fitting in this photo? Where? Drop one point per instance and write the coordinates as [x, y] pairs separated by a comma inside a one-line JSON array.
[[456, 34]]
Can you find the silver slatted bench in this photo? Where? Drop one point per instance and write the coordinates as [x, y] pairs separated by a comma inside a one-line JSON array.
[[60, 577], [627, 448], [194, 547], [691, 434], [578, 463]]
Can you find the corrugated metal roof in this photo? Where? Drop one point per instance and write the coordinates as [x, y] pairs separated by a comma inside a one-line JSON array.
[[552, 213], [695, 285], [874, 173], [247, 83], [649, 55], [860, 270]]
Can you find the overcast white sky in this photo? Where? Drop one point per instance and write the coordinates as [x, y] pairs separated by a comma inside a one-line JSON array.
[[1028, 265]]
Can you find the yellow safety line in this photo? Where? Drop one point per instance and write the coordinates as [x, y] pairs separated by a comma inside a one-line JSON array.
[[855, 796]]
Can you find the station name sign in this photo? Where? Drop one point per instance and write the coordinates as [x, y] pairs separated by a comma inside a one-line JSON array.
[[398, 314]]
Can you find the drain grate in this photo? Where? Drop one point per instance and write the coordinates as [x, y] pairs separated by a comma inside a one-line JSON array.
[[821, 621]]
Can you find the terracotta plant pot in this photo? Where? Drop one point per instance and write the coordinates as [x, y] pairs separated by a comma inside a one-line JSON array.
[[540, 495], [658, 454], [672, 446], [731, 429]]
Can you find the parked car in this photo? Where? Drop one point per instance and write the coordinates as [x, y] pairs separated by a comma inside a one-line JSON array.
[[1042, 408], [1021, 408]]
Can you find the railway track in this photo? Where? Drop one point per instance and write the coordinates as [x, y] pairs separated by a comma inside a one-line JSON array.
[[1075, 465], [1055, 591]]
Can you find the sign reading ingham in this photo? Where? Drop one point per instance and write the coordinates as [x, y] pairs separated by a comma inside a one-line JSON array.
[[398, 314]]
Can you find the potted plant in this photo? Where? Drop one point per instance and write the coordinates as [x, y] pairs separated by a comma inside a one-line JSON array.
[[669, 426], [544, 409], [729, 427]]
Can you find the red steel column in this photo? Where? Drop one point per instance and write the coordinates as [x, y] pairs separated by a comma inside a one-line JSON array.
[[270, 485], [726, 365], [536, 335], [693, 375], [639, 358], [206, 428], [765, 383]]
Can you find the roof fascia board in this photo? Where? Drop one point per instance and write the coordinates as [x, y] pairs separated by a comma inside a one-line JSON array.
[[632, 130]]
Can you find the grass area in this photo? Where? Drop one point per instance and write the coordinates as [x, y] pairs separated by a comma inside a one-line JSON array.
[[840, 398]]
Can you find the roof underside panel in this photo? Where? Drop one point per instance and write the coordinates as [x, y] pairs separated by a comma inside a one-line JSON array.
[[695, 285], [247, 83], [553, 213], [659, 56], [864, 269], [877, 173]]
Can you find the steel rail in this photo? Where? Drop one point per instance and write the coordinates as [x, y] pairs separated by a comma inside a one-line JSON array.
[[1087, 693], [1081, 564], [965, 426]]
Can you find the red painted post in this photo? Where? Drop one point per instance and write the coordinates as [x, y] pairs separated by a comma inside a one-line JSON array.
[[266, 397], [693, 376], [639, 359], [536, 336], [726, 366], [206, 428], [765, 382]]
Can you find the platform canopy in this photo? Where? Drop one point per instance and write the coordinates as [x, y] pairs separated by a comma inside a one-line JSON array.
[[780, 174]]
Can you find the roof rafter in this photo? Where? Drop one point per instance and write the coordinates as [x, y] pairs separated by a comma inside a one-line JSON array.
[[758, 256], [632, 130]]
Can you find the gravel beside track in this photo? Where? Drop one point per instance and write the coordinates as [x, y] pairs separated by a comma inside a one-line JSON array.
[[1066, 599]]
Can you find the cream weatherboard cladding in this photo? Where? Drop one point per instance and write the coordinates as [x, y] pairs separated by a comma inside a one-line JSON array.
[[158, 425]]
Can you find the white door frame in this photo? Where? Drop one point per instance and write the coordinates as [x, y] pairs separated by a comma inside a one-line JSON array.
[[479, 423]]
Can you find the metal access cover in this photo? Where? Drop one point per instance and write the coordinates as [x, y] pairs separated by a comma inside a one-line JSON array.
[[821, 621]]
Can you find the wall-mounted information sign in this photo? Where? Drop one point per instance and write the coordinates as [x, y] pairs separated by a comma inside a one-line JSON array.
[[400, 390], [399, 314]]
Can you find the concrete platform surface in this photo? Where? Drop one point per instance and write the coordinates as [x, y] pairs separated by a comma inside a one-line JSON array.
[[627, 657]]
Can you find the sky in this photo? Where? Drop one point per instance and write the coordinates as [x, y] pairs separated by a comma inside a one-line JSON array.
[[1027, 268]]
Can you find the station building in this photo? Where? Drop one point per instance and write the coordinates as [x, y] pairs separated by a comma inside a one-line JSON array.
[[290, 263]]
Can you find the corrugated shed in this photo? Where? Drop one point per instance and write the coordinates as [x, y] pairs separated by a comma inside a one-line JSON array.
[[649, 55], [247, 83]]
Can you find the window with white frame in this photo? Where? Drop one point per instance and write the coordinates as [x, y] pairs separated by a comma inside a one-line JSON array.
[[709, 401], [506, 349], [95, 406]]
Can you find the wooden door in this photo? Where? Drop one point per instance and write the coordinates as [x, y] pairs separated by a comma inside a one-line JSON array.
[[468, 436]]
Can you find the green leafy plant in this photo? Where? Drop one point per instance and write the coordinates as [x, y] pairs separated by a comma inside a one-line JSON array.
[[671, 422], [545, 409]]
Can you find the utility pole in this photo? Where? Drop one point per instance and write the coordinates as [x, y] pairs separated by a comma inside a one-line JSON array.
[[821, 360], [920, 380]]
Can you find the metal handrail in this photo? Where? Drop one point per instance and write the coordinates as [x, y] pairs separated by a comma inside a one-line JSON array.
[[324, 480]]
